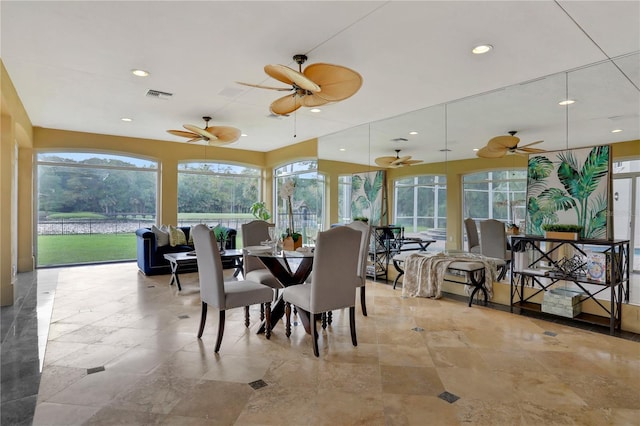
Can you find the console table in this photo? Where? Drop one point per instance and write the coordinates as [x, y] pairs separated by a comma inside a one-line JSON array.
[[540, 270]]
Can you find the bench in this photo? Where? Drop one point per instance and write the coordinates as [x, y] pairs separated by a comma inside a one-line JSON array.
[[467, 272]]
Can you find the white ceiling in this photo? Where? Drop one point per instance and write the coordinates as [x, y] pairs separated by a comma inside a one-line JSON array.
[[70, 62]]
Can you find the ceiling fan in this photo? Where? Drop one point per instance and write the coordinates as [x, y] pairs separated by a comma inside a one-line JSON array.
[[501, 145], [317, 85], [397, 161], [214, 135]]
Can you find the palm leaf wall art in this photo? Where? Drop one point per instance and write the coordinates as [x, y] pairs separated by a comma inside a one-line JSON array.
[[570, 187], [368, 197]]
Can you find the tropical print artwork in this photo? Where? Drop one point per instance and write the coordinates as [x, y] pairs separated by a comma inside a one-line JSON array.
[[569, 187], [368, 197]]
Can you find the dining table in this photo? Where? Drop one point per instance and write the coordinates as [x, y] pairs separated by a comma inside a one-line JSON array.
[[289, 268]]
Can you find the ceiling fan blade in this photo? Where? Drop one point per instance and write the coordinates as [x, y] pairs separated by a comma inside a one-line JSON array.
[[290, 76], [313, 100], [337, 82], [182, 133], [530, 144], [384, 161], [500, 142], [198, 139], [224, 134], [411, 162], [530, 150], [259, 86], [401, 160], [485, 152], [285, 105], [202, 132]]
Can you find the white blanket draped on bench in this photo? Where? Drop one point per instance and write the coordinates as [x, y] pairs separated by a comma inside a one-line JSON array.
[[424, 274]]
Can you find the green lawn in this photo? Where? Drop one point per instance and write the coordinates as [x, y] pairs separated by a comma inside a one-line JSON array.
[[66, 249]]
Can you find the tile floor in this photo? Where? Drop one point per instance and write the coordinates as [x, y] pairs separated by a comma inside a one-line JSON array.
[[122, 349]]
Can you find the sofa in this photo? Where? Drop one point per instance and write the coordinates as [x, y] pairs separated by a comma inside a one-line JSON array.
[[151, 259]]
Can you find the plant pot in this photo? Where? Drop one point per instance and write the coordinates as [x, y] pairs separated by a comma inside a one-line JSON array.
[[221, 245], [290, 245], [561, 235]]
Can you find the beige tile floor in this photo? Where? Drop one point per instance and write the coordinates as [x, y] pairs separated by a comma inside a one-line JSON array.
[[506, 369]]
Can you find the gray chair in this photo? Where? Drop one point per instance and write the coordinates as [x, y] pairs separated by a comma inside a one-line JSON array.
[[365, 240], [493, 243], [472, 235], [253, 233], [223, 295], [335, 270]]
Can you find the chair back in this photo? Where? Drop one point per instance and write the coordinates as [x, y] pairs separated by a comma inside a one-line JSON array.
[[335, 269], [472, 234], [493, 241], [365, 241], [209, 266], [253, 233]]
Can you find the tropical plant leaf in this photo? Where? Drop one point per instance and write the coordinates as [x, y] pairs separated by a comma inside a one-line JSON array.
[[539, 168], [356, 183], [597, 225], [595, 167], [555, 199], [569, 175], [359, 205], [372, 188]]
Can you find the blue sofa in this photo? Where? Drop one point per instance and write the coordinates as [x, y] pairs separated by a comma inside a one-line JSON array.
[[151, 259]]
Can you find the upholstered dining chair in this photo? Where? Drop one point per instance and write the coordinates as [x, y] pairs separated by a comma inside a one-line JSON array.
[[473, 240], [493, 243], [223, 295], [365, 240], [335, 270], [253, 233]]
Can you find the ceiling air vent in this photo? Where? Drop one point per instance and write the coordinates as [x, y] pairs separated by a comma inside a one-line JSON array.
[[158, 94]]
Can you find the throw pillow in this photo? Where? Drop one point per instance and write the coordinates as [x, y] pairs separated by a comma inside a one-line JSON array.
[[190, 241], [176, 236], [162, 236]]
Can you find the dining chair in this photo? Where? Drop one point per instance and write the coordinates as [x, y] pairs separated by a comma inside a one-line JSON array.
[[365, 241], [253, 233], [493, 243], [335, 272], [223, 295], [473, 241]]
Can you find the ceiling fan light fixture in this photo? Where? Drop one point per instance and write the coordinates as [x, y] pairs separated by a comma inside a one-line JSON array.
[[566, 102], [481, 49]]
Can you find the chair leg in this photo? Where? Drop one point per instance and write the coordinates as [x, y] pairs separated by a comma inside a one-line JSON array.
[[352, 323], [323, 317], [246, 316], [314, 336], [261, 312], [203, 319], [287, 314], [363, 301], [267, 321], [220, 331], [329, 317]]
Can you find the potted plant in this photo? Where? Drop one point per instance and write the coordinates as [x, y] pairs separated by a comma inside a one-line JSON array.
[[561, 231], [513, 229], [291, 239], [259, 210]]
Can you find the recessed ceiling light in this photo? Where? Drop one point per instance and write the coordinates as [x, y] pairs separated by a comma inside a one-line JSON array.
[[140, 73], [128, 120], [616, 130], [244, 134], [566, 102], [315, 110], [342, 149], [482, 48], [413, 133], [476, 149]]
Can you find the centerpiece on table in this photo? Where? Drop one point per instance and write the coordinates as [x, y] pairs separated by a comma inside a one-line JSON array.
[[291, 240]]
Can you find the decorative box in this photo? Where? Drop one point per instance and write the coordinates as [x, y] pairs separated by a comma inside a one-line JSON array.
[[563, 302]]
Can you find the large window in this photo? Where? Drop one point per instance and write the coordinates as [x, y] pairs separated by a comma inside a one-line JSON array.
[[215, 193], [308, 197], [344, 198], [420, 203], [89, 206], [496, 195]]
